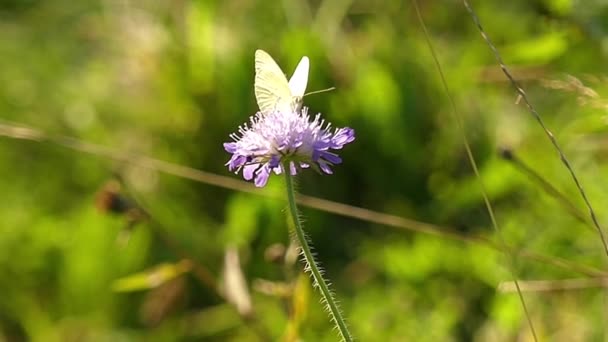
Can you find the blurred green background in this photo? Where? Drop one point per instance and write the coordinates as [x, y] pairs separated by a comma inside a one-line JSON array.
[[81, 261]]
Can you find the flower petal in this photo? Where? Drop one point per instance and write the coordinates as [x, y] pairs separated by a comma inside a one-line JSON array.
[[236, 161], [249, 171], [230, 147], [262, 176], [342, 137], [331, 157], [325, 167]]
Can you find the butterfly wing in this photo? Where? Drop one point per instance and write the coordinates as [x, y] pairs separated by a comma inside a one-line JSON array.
[[298, 82], [272, 90]]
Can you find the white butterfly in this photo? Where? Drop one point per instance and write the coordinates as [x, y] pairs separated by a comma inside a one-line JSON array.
[[272, 90]]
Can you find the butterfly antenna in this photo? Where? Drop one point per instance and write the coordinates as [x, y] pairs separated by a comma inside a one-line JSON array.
[[320, 91]]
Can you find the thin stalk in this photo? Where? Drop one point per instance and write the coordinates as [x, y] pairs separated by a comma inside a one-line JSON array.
[[541, 122], [512, 256], [311, 265], [510, 156]]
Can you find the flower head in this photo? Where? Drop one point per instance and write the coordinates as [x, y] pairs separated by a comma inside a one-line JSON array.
[[285, 138]]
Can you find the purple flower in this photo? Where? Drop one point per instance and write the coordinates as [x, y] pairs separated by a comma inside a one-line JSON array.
[[278, 138]]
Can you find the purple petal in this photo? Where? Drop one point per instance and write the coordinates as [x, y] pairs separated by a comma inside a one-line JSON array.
[[274, 161], [342, 137], [322, 145], [230, 147], [262, 175], [331, 157], [325, 168], [249, 171], [293, 169], [236, 161]]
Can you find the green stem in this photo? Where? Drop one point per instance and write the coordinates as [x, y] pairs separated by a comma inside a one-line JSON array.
[[332, 307]]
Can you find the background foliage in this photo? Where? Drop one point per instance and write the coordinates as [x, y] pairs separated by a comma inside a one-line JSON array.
[[171, 79]]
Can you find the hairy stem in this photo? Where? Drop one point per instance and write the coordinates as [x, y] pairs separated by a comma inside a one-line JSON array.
[[311, 264]]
